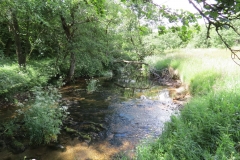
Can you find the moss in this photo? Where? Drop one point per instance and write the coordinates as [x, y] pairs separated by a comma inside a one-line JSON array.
[[70, 130], [84, 136], [81, 135]]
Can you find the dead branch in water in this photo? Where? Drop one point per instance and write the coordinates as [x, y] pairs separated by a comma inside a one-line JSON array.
[[134, 62], [119, 85], [155, 74]]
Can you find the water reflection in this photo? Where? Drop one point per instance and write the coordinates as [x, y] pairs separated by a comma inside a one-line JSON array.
[[133, 78]]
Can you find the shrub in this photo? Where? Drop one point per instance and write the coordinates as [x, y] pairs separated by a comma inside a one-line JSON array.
[[43, 119]]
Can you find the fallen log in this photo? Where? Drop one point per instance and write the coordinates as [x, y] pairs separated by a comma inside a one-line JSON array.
[[119, 85], [134, 62]]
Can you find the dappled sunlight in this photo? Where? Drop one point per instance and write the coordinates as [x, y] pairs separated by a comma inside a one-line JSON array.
[[98, 151], [143, 116], [76, 150], [14, 78]]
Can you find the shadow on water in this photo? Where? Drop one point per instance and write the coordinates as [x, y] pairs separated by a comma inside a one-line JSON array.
[[115, 118]]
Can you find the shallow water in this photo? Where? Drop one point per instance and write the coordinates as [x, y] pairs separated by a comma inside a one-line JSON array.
[[127, 115]]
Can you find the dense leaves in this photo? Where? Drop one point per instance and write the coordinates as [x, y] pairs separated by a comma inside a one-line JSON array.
[[44, 118]]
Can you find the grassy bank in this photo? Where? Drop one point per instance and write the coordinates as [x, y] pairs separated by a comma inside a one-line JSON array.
[[209, 125], [14, 79]]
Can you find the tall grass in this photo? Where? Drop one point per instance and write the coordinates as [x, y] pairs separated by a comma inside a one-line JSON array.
[[209, 125]]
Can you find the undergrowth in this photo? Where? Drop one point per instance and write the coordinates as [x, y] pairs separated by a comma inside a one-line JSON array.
[[14, 79], [209, 125], [43, 118], [38, 121]]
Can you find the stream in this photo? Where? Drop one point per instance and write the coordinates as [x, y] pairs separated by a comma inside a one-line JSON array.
[[120, 118]]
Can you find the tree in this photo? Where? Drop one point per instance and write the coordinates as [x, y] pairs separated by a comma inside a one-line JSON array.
[[167, 20], [73, 15], [11, 12], [220, 14], [24, 19]]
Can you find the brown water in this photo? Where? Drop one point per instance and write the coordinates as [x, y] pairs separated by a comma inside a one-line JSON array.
[[126, 115]]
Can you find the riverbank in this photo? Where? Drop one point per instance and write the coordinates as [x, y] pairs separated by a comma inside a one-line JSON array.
[[208, 126]]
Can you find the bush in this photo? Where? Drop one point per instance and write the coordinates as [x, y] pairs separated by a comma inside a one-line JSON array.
[[43, 119]]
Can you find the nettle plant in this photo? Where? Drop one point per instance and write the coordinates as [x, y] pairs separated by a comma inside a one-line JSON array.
[[43, 119]]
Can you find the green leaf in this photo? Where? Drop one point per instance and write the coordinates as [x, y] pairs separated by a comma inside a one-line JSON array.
[[162, 30], [214, 14], [184, 28]]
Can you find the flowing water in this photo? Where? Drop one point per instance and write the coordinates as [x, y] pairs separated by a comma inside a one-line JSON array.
[[116, 117]]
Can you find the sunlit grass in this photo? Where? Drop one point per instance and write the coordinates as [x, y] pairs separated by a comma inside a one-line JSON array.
[[14, 79], [192, 62], [208, 126]]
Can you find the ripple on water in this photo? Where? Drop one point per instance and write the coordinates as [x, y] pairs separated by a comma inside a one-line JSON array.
[[144, 119]]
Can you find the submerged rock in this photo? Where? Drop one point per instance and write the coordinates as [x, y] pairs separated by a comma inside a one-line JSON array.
[[164, 96], [80, 135], [57, 147], [143, 97]]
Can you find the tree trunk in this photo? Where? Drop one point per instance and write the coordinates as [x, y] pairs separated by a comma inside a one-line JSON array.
[[21, 56], [72, 66], [27, 45], [8, 47], [67, 30]]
